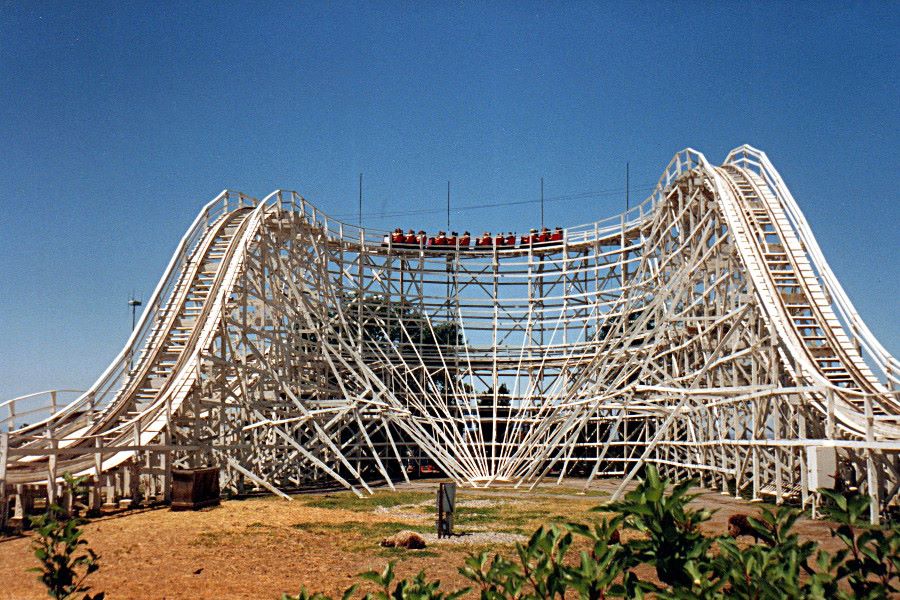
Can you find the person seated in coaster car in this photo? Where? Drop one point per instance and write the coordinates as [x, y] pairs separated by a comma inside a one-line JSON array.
[[410, 238], [420, 238], [557, 236], [530, 239], [544, 238], [499, 240], [511, 239], [485, 240], [465, 240], [397, 237]]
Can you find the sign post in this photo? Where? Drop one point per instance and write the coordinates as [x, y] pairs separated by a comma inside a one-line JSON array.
[[446, 506]]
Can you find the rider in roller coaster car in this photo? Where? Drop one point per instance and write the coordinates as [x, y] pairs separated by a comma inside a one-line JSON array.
[[544, 238], [557, 235]]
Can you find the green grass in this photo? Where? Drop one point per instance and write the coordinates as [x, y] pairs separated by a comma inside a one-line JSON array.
[[403, 553], [360, 535], [349, 501], [210, 538], [367, 536], [511, 516], [508, 520], [568, 491], [477, 516], [365, 529]]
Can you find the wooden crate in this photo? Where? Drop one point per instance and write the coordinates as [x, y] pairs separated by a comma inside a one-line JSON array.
[[194, 488]]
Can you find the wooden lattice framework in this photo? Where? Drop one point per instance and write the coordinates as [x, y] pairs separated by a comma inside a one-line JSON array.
[[701, 331]]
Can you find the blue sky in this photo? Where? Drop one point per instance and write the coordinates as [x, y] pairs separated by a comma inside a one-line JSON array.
[[120, 120]]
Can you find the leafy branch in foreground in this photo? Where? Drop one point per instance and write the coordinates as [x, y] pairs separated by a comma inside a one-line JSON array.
[[673, 542], [57, 544], [870, 561]]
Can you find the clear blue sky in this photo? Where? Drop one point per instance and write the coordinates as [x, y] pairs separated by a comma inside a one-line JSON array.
[[119, 120]]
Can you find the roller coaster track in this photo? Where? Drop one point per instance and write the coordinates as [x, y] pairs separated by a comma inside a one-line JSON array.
[[820, 351], [157, 379], [702, 330]]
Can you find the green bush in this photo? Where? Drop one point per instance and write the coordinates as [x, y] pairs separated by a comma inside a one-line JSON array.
[[674, 543], [417, 588], [870, 561], [58, 540]]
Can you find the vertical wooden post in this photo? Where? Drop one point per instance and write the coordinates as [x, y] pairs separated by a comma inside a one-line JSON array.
[[871, 470], [135, 471], [804, 475], [166, 458], [11, 407], [754, 432], [776, 451], [110, 487], [4, 498], [51, 466], [24, 502], [829, 414], [96, 494]]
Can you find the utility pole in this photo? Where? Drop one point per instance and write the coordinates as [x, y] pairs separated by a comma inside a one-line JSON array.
[[448, 208], [133, 303], [627, 187], [360, 200], [542, 202]]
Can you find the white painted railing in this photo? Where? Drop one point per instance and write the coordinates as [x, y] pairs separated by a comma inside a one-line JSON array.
[[101, 393]]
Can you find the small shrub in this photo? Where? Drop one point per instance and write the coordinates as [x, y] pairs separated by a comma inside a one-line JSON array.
[[417, 588], [674, 543], [870, 561], [57, 546]]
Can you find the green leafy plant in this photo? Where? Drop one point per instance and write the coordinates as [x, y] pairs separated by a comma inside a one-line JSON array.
[[538, 572], [605, 571], [305, 595], [674, 543], [777, 569], [64, 555], [870, 560], [417, 588]]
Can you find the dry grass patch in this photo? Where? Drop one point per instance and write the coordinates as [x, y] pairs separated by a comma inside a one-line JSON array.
[[263, 546]]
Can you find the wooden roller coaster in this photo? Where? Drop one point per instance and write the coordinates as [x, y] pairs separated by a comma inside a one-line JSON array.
[[702, 331]]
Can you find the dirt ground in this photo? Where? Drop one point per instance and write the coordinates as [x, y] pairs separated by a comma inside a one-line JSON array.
[[263, 546]]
